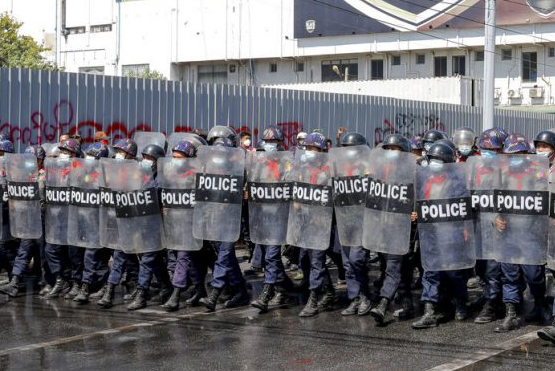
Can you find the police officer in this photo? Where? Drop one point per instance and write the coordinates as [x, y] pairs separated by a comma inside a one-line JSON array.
[[57, 256], [226, 268], [429, 138], [122, 263], [533, 274], [398, 268], [151, 263], [275, 279], [416, 146], [465, 142], [438, 154], [95, 271], [8, 245], [190, 268]]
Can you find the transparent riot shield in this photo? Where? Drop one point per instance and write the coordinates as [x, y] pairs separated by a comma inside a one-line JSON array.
[[351, 167], [58, 197], [269, 192], [24, 196], [176, 177], [108, 224], [174, 138], [84, 215], [137, 206], [219, 194], [521, 224], [389, 202], [482, 174], [551, 244], [311, 208], [445, 219], [144, 138], [4, 215]]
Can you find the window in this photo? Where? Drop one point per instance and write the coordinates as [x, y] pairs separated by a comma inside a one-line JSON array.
[[273, 67], [134, 69], [75, 30], [396, 60], [529, 66], [440, 66], [101, 28], [92, 70], [376, 72], [506, 54], [551, 52], [216, 74], [420, 58], [232, 68], [479, 56], [300, 67], [340, 70], [459, 65]]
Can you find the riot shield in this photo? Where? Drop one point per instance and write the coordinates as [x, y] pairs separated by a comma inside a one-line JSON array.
[[176, 177], [445, 219], [108, 224], [83, 219], [389, 202], [137, 207], [351, 166], [551, 244], [521, 228], [24, 196], [4, 214], [269, 191], [482, 174], [219, 194], [174, 138], [311, 208], [144, 138], [58, 197]]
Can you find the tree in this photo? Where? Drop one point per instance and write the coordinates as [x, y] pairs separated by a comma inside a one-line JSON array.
[[146, 74], [19, 50]]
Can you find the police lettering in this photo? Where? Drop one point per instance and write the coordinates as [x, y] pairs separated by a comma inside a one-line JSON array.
[[351, 185], [134, 199], [280, 192], [303, 193], [25, 191], [107, 197], [58, 195], [482, 201], [435, 211], [390, 191], [178, 197], [514, 202], [214, 183], [84, 197]]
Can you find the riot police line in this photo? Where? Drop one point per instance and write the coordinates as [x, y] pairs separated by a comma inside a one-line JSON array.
[[446, 207]]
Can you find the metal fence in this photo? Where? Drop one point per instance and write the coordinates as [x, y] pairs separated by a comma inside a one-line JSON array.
[[37, 106]]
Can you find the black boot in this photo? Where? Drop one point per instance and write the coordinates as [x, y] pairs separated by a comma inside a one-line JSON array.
[[240, 298], [511, 321], [461, 312], [311, 307], [264, 298], [131, 296], [75, 287], [407, 309], [379, 311], [199, 293], [173, 302], [212, 299], [536, 315], [99, 294], [548, 333], [139, 302], [281, 297], [365, 304], [487, 314], [45, 290], [352, 309], [429, 319], [61, 287], [164, 294], [83, 296], [326, 303], [108, 298], [11, 288]]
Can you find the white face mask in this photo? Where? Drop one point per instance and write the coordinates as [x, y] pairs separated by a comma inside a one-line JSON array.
[[308, 155], [544, 154], [270, 147], [465, 151], [247, 142], [391, 154], [64, 155], [147, 163], [89, 157], [435, 164], [120, 156]]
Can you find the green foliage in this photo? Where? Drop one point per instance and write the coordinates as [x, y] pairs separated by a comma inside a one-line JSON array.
[[19, 50], [146, 74]]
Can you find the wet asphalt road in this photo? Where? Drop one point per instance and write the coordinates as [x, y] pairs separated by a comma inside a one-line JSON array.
[[58, 335]]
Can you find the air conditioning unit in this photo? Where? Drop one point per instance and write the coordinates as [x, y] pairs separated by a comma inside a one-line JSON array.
[[497, 94], [513, 93], [535, 93]]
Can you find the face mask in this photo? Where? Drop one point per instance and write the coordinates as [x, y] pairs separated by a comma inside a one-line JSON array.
[[89, 157], [488, 153], [465, 151], [544, 154], [270, 147], [64, 155], [435, 164], [391, 154], [427, 146], [147, 163], [247, 142], [515, 161], [309, 155]]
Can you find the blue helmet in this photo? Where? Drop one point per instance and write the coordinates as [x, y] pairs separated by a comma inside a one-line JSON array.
[[185, 147], [71, 145], [416, 144], [502, 133], [127, 145], [97, 150], [316, 140], [273, 133], [515, 144], [490, 140], [6, 145], [223, 141], [37, 151]]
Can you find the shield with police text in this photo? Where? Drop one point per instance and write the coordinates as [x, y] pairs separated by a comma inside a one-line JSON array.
[[4, 215], [269, 192], [58, 198], [219, 194], [482, 174], [445, 219], [311, 208], [350, 166], [137, 207], [84, 215], [176, 178], [521, 196], [551, 244], [24, 195], [108, 223], [389, 202], [144, 138]]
